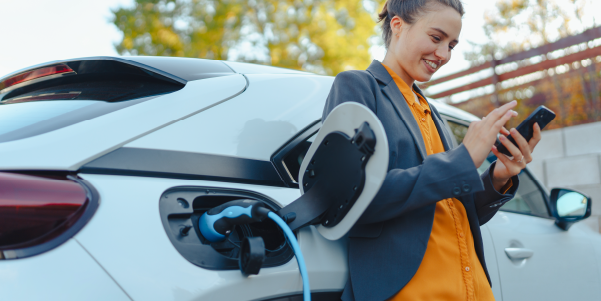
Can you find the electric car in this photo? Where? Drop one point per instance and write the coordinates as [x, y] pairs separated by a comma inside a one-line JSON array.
[[107, 164]]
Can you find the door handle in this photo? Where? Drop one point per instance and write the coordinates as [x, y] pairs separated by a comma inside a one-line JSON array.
[[518, 253]]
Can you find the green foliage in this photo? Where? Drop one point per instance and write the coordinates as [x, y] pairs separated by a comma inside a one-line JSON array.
[[322, 36]]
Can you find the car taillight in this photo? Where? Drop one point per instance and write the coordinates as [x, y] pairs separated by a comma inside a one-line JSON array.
[[35, 74], [36, 210]]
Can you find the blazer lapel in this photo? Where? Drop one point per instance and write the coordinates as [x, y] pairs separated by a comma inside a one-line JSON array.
[[394, 95]]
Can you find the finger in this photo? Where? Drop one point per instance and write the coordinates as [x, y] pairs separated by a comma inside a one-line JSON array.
[[513, 150], [512, 167], [536, 136], [522, 144], [499, 112], [504, 131], [502, 157], [496, 127]]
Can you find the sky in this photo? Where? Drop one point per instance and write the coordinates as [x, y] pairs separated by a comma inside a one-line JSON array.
[[39, 31]]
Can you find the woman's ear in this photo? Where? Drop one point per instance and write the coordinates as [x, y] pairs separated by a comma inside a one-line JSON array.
[[396, 24]]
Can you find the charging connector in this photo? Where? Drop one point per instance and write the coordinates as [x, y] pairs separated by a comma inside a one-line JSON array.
[[217, 223]]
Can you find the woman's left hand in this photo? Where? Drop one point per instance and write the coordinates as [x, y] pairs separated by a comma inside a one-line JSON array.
[[508, 167]]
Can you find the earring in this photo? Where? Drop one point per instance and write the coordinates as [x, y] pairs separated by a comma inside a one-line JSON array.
[[397, 35]]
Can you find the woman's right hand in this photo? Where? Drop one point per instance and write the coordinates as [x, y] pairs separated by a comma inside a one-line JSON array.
[[481, 135]]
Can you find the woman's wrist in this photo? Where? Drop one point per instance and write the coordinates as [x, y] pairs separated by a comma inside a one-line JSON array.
[[499, 183]]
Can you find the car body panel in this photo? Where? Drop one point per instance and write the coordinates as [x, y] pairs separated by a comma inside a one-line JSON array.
[[127, 238], [70, 147], [491, 262], [246, 68], [252, 125], [65, 273], [562, 267]]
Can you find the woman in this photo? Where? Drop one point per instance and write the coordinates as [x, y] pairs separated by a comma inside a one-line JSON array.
[[420, 237]]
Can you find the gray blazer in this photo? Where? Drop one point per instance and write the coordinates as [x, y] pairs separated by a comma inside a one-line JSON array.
[[387, 244]]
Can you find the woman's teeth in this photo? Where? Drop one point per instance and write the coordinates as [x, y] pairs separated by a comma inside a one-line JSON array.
[[433, 65]]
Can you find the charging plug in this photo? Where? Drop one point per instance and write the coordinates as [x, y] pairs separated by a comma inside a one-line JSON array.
[[217, 223]]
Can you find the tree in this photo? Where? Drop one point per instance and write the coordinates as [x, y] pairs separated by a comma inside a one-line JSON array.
[[322, 36], [197, 28]]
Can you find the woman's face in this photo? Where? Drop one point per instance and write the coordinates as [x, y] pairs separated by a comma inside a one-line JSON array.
[[424, 46]]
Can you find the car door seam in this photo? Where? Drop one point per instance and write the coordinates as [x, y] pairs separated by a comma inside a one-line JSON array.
[[494, 250], [107, 273]]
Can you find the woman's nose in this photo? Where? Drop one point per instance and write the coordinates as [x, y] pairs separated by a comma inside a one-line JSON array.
[[443, 53]]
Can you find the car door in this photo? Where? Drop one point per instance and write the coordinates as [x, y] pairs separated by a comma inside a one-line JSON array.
[[536, 259]]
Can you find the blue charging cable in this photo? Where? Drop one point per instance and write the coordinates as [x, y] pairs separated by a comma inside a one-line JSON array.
[[297, 252], [217, 223]]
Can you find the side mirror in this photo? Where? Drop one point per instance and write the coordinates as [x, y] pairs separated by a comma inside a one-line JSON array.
[[569, 206]]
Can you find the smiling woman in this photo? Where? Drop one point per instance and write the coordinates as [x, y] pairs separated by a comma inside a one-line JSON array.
[[420, 238]]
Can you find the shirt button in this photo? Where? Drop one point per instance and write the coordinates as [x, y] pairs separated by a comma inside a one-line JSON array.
[[460, 234], [467, 269], [423, 119]]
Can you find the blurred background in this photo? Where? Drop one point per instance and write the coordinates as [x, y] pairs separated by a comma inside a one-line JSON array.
[[540, 52]]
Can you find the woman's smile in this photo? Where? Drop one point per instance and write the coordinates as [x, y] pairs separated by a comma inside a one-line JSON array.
[[432, 66]]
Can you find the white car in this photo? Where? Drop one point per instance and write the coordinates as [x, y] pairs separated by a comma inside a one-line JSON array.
[[107, 163]]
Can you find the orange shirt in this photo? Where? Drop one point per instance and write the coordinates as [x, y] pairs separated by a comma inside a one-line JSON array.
[[450, 269]]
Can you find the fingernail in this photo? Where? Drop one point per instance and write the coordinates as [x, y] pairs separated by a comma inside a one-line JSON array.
[[514, 101], [513, 130], [502, 137]]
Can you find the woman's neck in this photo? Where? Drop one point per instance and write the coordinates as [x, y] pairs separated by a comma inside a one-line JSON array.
[[391, 63]]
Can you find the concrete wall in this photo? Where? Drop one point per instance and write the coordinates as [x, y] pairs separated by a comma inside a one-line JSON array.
[[571, 157]]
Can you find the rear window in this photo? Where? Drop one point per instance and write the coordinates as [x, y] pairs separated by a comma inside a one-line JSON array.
[[94, 88], [23, 120]]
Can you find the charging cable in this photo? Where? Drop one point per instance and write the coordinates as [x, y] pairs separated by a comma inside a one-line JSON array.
[[297, 252], [217, 223]]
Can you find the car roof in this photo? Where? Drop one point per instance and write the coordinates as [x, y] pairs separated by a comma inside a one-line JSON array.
[[451, 111], [247, 68]]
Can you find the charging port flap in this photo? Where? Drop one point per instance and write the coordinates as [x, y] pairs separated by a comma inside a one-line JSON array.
[[350, 136]]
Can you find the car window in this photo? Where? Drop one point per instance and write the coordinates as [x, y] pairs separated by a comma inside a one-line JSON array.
[[459, 130], [529, 198], [19, 120], [288, 159], [294, 159]]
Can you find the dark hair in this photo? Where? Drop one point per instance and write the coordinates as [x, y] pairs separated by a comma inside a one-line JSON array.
[[408, 10]]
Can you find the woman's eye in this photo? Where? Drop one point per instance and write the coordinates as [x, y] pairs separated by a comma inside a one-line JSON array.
[[437, 39], [451, 47]]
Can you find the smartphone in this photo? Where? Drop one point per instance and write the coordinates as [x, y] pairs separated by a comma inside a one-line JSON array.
[[542, 115]]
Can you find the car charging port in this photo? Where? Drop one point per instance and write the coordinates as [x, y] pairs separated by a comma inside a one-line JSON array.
[[180, 210]]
